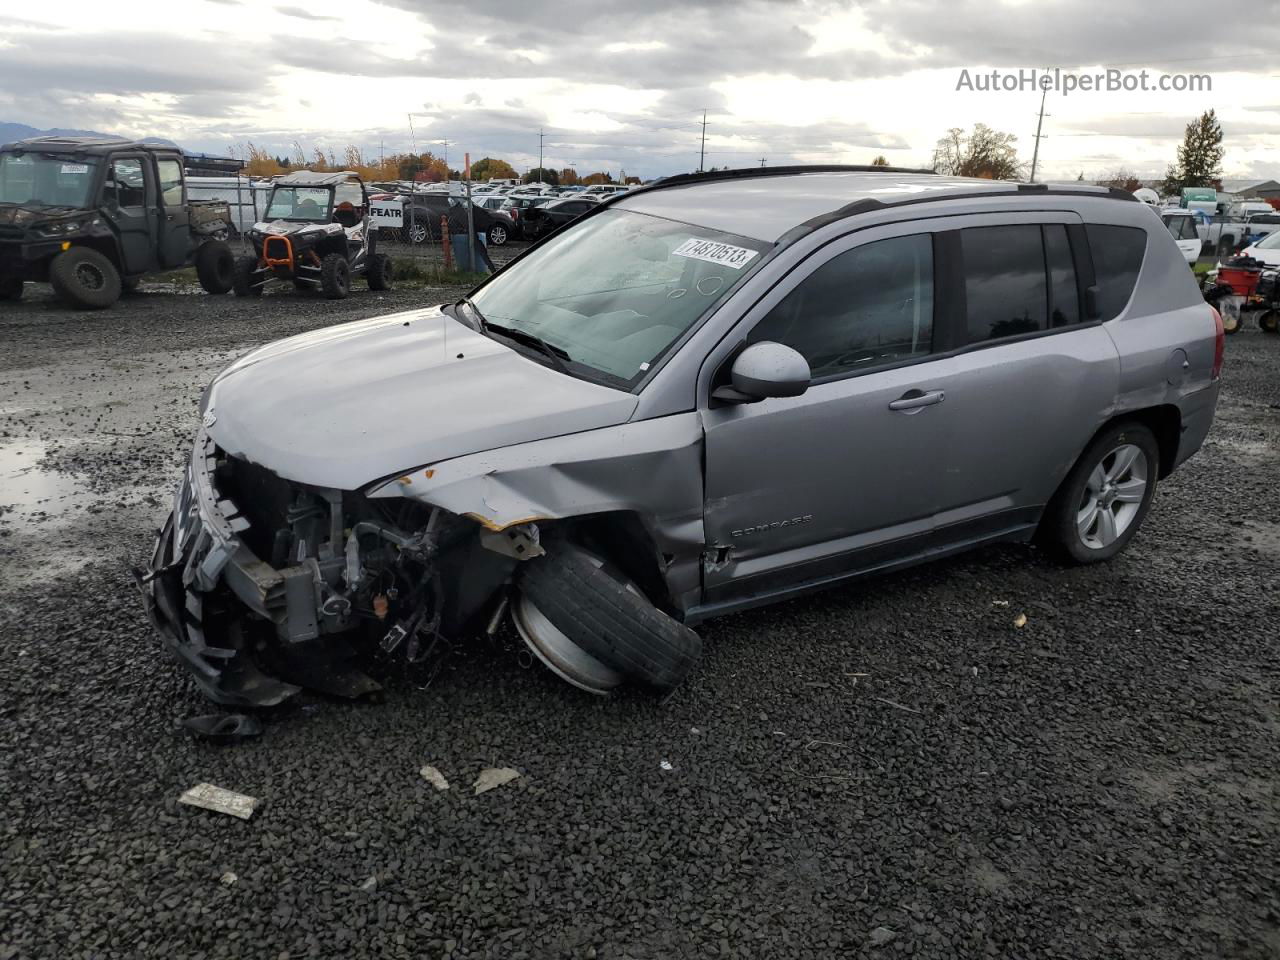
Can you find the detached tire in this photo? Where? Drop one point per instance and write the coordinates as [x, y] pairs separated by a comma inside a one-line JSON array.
[[613, 624], [85, 279], [11, 289], [243, 277], [379, 271], [335, 276], [1106, 496], [1269, 322], [215, 267]]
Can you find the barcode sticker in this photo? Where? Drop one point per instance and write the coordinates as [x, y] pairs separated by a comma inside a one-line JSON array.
[[713, 251]]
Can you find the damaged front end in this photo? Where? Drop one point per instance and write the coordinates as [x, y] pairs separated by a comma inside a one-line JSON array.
[[261, 585]]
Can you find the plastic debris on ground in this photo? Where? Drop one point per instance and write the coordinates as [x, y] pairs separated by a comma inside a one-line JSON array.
[[1020, 620], [223, 727], [228, 879], [491, 777], [666, 765], [434, 777], [220, 800]]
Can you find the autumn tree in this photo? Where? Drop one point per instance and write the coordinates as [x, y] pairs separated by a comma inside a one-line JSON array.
[[491, 168], [260, 163], [1199, 162], [880, 161], [984, 153], [1124, 179], [592, 179], [426, 168], [569, 177]]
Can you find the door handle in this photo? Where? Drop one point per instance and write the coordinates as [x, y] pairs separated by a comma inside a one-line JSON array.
[[915, 399]]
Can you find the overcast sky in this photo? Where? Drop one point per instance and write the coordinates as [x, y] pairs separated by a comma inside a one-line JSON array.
[[622, 85]]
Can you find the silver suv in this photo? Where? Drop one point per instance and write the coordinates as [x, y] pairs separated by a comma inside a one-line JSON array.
[[704, 395]]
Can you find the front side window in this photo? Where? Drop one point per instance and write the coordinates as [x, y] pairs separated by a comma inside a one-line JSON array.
[[613, 293], [1117, 258], [861, 309], [170, 182], [126, 183], [1182, 228], [299, 203]]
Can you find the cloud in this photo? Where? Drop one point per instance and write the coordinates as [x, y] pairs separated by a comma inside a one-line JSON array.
[[302, 14]]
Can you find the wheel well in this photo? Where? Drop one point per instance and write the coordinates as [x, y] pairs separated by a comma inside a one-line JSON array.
[[622, 537], [1165, 422]]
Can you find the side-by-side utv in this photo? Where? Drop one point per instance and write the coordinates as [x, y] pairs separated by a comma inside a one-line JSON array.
[[315, 233]]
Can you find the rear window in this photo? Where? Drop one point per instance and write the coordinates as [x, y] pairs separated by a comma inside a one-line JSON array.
[[1117, 258]]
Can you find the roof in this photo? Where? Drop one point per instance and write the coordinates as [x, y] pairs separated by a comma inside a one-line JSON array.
[[766, 203], [95, 145], [312, 178]]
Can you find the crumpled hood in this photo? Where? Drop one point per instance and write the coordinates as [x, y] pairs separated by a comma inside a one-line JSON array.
[[347, 405]]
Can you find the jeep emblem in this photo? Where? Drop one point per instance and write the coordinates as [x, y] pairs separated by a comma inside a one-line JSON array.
[[210, 419]]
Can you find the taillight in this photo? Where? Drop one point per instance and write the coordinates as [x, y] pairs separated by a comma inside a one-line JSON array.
[[1219, 343]]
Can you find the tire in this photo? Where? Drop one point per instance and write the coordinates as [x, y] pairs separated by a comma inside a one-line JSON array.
[[1230, 319], [617, 626], [215, 267], [418, 233], [335, 276], [85, 279], [378, 272], [242, 284], [498, 235], [1269, 322], [1115, 476], [11, 289]]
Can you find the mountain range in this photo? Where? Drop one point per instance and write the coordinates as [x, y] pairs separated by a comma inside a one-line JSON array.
[[9, 132]]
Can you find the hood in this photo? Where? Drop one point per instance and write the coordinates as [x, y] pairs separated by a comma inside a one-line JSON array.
[[348, 405], [281, 228]]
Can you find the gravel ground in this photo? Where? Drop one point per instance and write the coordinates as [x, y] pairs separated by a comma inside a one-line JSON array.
[[888, 769]]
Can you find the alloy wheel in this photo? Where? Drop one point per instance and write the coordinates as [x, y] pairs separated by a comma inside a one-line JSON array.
[[1112, 497]]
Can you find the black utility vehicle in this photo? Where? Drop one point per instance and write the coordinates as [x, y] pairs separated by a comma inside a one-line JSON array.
[[315, 233], [92, 215]]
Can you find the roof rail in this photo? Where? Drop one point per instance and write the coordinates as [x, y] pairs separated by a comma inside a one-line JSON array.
[[747, 173]]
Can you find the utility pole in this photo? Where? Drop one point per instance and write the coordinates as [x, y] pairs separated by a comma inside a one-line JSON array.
[[702, 153], [762, 160], [540, 156], [1035, 153]]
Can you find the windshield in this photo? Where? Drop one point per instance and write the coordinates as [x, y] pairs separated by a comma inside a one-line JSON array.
[[46, 179], [1182, 228], [617, 290], [1270, 242], [299, 203]]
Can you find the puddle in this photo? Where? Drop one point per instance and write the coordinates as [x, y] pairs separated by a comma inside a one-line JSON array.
[[28, 490]]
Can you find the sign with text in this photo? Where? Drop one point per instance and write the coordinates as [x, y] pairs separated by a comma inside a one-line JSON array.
[[386, 214]]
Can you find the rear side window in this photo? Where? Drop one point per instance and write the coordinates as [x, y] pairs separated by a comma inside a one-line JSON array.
[[1006, 289], [1117, 258], [863, 308]]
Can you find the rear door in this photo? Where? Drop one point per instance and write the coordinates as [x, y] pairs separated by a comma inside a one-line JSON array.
[[174, 216], [130, 204]]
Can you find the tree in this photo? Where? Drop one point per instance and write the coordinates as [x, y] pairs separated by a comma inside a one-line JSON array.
[[880, 161], [1199, 162], [425, 168], [542, 175], [259, 163], [984, 153], [569, 177], [491, 168], [1080, 177], [594, 178], [1122, 178]]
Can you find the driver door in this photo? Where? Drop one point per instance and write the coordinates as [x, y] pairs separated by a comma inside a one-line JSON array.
[[798, 488], [129, 204], [173, 216]]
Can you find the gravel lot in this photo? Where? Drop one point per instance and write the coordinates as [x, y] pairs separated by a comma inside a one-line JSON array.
[[888, 769]]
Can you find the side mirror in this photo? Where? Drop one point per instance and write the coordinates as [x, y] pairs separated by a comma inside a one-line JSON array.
[[763, 370]]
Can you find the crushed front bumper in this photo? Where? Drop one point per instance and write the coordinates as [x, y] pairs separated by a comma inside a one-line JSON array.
[[195, 551]]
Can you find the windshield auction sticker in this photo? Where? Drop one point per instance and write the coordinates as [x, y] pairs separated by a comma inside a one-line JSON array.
[[75, 168], [713, 251]]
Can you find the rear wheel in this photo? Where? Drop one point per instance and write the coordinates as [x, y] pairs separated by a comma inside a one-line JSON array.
[[378, 272], [1104, 499], [418, 233], [215, 267], [85, 279], [244, 282], [335, 276], [11, 289], [497, 235], [1270, 321]]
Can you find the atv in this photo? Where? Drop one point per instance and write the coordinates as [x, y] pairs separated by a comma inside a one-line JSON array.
[[317, 235], [91, 216]]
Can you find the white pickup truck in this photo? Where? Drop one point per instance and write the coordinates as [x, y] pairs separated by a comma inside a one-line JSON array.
[[1223, 234]]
